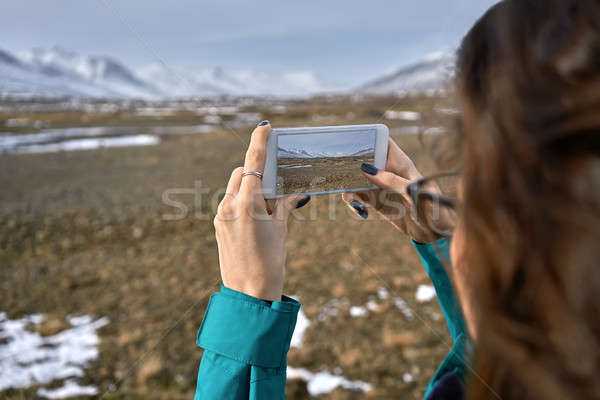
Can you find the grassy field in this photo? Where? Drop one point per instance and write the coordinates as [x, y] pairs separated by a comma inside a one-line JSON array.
[[320, 174], [88, 232]]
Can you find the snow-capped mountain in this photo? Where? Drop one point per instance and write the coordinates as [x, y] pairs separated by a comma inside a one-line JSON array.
[[185, 82], [104, 72], [301, 153], [57, 72], [433, 73]]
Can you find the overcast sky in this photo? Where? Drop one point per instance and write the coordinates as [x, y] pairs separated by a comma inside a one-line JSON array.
[[342, 41]]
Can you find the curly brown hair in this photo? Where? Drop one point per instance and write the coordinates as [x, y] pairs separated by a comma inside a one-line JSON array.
[[528, 77]]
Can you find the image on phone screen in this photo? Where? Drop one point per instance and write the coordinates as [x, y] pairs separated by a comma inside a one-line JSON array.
[[325, 161]]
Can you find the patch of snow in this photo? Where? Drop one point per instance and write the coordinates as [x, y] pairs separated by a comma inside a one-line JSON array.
[[383, 293], [402, 115], [358, 311], [70, 388], [324, 382], [403, 307], [406, 130], [302, 324], [407, 378], [29, 358], [243, 119], [90, 144], [216, 110], [278, 109], [330, 309], [10, 142], [448, 111], [435, 130], [295, 166], [16, 122], [156, 112], [372, 305], [212, 119], [425, 293]]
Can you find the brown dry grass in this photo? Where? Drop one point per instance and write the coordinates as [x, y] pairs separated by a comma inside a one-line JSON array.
[[324, 174], [85, 233]]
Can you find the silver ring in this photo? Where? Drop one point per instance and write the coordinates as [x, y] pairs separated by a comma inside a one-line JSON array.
[[257, 174]]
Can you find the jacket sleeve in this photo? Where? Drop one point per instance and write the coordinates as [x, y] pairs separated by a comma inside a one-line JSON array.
[[245, 342], [434, 256]]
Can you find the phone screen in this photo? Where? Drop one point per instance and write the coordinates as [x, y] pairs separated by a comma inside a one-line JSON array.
[[321, 162]]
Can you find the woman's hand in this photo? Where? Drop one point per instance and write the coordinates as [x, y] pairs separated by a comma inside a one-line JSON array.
[[250, 238], [392, 201]]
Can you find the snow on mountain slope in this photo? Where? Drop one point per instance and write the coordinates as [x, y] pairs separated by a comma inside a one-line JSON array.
[[432, 73], [104, 72], [301, 153], [57, 72], [9, 59], [20, 79], [184, 82]]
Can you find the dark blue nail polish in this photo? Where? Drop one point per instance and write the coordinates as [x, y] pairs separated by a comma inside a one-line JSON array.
[[303, 202], [265, 122], [360, 209], [369, 169]]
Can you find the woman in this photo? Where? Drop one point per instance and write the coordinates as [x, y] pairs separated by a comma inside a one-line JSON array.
[[524, 247]]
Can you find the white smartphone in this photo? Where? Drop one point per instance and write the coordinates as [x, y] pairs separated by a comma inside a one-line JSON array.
[[321, 160]]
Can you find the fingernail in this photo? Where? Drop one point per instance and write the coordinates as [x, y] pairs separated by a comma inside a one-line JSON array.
[[265, 122], [303, 202], [369, 169], [360, 209]]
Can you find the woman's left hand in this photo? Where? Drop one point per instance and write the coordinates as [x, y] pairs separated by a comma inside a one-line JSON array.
[[251, 238], [391, 200]]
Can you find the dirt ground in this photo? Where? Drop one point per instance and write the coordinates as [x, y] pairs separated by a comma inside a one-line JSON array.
[[321, 174], [88, 232]]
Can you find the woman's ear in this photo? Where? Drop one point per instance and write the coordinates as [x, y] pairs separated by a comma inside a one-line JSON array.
[[570, 43]]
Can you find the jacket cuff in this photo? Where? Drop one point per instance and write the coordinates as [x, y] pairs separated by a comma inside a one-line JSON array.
[[432, 253], [247, 329]]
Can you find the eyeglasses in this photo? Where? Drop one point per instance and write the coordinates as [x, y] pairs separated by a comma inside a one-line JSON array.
[[435, 201]]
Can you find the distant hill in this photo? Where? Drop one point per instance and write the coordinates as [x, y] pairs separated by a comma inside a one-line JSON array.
[[301, 153], [186, 82], [57, 72], [432, 73]]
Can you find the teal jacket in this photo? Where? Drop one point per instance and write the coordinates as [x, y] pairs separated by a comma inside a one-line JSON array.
[[246, 340]]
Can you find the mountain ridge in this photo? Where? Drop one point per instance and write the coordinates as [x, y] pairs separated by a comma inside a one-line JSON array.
[[301, 153], [57, 72], [433, 72]]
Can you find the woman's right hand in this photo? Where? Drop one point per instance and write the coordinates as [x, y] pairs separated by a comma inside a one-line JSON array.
[[392, 201]]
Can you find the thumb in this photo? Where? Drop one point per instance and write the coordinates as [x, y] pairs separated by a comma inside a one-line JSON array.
[[385, 179]]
